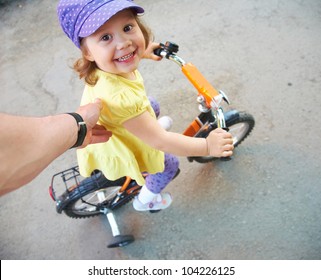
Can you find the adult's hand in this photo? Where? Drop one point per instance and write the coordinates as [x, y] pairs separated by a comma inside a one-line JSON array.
[[95, 133]]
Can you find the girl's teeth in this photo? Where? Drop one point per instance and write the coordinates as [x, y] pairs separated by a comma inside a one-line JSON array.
[[125, 57]]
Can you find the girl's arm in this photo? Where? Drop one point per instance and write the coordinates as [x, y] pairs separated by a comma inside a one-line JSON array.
[[219, 143]]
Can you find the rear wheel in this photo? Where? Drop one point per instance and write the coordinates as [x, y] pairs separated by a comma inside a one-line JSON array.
[[85, 199], [240, 126]]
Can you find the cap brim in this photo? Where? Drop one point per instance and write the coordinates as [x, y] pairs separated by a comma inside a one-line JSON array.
[[104, 13]]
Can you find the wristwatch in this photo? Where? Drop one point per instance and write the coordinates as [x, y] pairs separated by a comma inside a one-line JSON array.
[[82, 129]]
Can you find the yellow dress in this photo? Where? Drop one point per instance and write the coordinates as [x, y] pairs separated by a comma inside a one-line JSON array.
[[123, 154]]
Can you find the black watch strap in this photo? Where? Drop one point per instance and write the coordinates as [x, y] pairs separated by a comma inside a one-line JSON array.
[[82, 129]]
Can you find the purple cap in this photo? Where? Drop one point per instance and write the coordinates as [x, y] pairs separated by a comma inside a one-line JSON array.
[[81, 18]]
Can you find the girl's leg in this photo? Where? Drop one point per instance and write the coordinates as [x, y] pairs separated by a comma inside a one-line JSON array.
[[155, 105], [157, 182], [165, 121], [150, 198]]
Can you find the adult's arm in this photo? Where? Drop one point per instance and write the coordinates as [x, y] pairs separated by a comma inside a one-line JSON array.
[[28, 144]]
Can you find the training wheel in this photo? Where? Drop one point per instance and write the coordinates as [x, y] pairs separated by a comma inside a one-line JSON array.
[[121, 241]]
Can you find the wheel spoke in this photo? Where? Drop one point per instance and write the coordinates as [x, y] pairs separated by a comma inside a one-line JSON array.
[[88, 204], [238, 131]]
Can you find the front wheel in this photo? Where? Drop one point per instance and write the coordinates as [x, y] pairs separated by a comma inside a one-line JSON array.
[[240, 125]]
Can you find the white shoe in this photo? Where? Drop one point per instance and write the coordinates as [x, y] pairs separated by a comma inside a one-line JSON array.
[[165, 122], [161, 201]]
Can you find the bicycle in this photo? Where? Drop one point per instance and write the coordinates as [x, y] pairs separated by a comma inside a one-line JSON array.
[[96, 195]]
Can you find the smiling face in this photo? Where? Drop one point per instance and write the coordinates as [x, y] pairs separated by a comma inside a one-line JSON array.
[[117, 46]]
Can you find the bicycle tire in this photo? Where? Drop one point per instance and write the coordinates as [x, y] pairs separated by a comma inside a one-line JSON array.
[[240, 125], [82, 201]]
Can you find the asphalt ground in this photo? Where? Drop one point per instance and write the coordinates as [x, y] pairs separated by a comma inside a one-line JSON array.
[[262, 205]]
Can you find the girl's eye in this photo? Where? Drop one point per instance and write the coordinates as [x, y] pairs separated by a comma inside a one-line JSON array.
[[106, 37], [127, 28]]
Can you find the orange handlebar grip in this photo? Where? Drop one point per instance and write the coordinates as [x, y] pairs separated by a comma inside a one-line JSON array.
[[199, 82]]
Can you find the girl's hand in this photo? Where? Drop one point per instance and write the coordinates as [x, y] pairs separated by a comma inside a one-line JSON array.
[[220, 143], [149, 52]]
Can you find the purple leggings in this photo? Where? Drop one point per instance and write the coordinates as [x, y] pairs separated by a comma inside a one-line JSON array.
[[157, 182]]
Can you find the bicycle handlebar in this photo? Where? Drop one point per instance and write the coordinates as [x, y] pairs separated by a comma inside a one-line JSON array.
[[168, 47], [169, 50], [209, 97], [159, 50], [212, 97]]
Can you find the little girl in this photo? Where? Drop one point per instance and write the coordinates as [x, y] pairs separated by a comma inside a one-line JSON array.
[[113, 41]]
